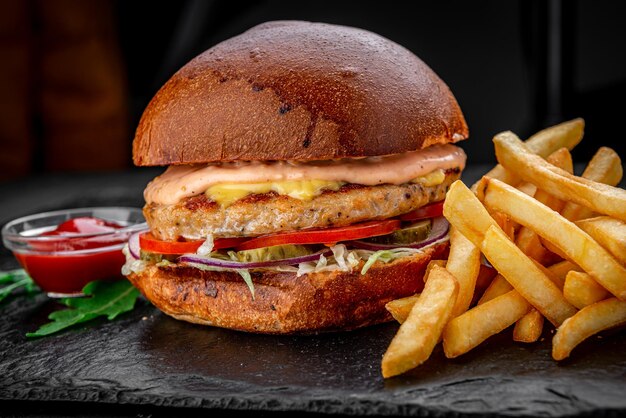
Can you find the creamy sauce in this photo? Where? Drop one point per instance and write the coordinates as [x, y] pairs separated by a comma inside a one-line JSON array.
[[181, 181]]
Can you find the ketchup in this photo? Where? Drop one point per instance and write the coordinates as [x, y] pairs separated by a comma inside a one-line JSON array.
[[63, 272]]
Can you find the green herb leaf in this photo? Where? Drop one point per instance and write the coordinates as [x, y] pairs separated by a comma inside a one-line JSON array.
[[14, 280], [101, 299]]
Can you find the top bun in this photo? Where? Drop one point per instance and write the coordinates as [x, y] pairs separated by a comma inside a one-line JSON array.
[[291, 90]]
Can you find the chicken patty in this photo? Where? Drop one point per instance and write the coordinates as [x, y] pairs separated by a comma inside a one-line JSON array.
[[259, 214]]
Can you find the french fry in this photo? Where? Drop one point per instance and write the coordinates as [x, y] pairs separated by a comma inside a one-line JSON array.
[[562, 159], [544, 143], [588, 321], [465, 213], [576, 244], [609, 232], [498, 287], [556, 273], [505, 223], [604, 167], [524, 275], [581, 290], [468, 330], [526, 238], [421, 331], [528, 328], [553, 278], [400, 308], [601, 198], [560, 270], [464, 265], [431, 264], [528, 188], [530, 243]]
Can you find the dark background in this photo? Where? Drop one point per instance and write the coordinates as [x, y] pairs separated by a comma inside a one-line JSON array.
[[76, 75]]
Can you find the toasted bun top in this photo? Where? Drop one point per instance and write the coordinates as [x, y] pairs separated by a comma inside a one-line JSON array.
[[291, 90]]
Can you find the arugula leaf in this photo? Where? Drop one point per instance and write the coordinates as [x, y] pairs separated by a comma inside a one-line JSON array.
[[102, 299], [16, 279]]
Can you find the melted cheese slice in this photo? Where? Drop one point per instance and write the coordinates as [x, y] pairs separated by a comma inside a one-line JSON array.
[[301, 178], [227, 193]]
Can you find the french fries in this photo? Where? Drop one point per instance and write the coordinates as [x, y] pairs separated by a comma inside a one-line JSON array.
[[529, 327], [400, 308], [421, 331], [576, 244], [499, 286], [465, 213], [605, 167], [525, 276], [581, 290], [543, 143], [588, 321], [464, 265], [555, 242], [599, 197], [609, 232], [476, 325]]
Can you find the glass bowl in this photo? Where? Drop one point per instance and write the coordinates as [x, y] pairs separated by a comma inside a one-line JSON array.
[[64, 263]]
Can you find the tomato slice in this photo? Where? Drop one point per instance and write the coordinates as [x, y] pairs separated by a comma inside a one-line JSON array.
[[425, 212], [148, 242], [327, 236]]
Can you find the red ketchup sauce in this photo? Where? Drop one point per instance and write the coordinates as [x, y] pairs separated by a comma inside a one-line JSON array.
[[63, 272]]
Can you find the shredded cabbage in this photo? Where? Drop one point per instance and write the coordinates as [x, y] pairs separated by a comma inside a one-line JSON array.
[[207, 246], [248, 279], [132, 265], [383, 255]]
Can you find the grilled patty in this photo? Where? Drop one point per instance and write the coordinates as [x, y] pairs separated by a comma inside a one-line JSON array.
[[260, 214]]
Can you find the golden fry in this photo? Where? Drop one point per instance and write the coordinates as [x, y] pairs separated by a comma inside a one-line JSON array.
[[605, 167], [609, 232], [513, 155], [464, 265], [581, 290], [577, 245], [544, 143], [529, 242], [560, 270], [588, 321], [498, 287], [431, 264], [526, 238], [528, 279], [529, 327], [420, 332], [481, 322], [465, 213], [400, 308]]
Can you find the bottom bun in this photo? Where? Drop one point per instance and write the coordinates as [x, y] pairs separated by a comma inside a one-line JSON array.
[[283, 302]]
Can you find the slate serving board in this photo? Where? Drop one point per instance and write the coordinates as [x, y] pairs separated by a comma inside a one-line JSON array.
[[146, 361]]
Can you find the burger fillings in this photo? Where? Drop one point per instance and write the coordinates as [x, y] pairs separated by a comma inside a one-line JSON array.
[[289, 147]]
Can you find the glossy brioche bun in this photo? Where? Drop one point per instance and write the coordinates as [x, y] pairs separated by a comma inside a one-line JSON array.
[[292, 90], [284, 303]]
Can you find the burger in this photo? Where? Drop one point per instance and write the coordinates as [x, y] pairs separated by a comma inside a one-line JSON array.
[[307, 164]]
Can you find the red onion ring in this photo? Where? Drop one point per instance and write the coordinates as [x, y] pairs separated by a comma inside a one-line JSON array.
[[229, 264], [133, 245], [439, 230]]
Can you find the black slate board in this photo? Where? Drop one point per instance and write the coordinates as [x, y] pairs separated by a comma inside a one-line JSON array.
[[148, 360]]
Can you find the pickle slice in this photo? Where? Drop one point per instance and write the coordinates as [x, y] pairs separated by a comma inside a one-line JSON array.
[[277, 252], [417, 231]]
